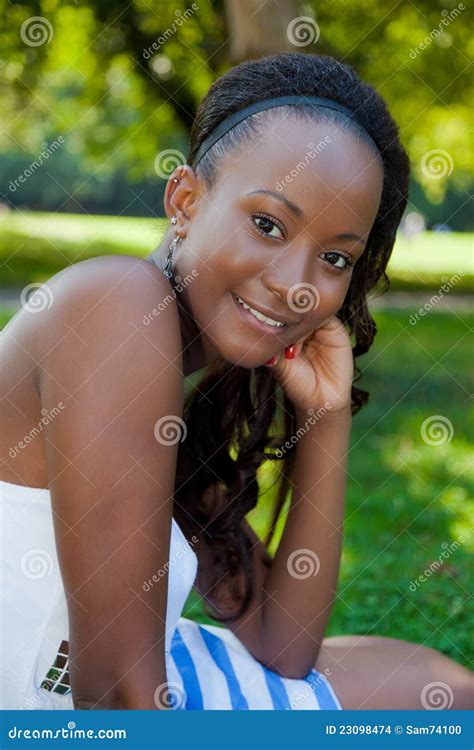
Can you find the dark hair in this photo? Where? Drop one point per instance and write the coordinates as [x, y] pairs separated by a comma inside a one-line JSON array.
[[234, 410]]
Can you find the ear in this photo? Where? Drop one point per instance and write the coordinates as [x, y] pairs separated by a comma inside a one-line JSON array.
[[183, 194]]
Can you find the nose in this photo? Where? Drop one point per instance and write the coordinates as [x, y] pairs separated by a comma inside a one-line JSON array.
[[293, 270]]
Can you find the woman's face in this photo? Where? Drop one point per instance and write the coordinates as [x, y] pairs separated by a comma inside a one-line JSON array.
[[286, 254]]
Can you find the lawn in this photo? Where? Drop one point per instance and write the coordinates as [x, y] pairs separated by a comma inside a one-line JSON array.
[[408, 502], [34, 246]]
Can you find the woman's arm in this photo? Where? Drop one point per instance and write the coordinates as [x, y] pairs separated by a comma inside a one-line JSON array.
[[286, 620], [111, 478], [301, 584]]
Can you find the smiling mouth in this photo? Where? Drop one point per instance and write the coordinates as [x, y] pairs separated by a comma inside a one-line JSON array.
[[266, 323]]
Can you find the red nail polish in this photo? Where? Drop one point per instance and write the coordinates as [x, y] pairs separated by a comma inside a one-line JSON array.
[[271, 361], [290, 352]]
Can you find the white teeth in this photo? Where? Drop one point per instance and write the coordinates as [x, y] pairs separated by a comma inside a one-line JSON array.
[[260, 316]]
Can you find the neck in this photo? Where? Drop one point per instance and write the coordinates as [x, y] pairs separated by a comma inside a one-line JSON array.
[[195, 353]]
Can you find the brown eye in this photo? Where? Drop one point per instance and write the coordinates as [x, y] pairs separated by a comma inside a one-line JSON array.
[[266, 226], [347, 261]]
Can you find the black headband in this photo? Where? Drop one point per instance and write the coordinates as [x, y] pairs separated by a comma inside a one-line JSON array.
[[277, 101]]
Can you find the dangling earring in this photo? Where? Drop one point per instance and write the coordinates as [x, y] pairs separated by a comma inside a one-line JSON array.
[[168, 267]]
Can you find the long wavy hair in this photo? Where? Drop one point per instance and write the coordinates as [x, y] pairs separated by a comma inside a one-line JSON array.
[[231, 414]]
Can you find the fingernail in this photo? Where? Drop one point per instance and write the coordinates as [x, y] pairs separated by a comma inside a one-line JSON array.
[[290, 352], [271, 361]]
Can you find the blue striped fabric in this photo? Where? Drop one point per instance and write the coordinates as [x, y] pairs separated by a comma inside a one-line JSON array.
[[187, 670], [204, 671], [321, 690], [220, 656], [277, 690]]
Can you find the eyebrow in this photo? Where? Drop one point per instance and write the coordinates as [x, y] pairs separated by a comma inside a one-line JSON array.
[[296, 210]]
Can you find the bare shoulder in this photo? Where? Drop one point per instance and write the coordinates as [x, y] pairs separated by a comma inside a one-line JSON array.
[[108, 298]]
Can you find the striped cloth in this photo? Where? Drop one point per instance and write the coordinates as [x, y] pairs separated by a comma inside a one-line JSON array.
[[210, 669]]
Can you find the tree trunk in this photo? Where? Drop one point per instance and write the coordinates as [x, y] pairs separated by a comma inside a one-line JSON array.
[[257, 28]]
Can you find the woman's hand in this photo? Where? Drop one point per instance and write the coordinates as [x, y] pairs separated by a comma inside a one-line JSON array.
[[321, 370]]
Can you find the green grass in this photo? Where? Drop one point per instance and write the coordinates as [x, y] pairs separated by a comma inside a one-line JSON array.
[[34, 246], [406, 500]]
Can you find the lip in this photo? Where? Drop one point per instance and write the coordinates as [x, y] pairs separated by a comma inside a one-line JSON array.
[[248, 317]]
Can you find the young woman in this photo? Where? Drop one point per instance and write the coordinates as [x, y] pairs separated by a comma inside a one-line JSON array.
[[126, 493]]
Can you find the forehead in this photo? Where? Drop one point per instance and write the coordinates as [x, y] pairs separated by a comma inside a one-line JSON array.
[[317, 165]]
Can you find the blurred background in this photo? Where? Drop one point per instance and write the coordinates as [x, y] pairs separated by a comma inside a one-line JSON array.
[[97, 100]]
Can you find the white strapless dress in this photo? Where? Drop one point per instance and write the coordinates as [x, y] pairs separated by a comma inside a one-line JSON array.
[[207, 666]]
